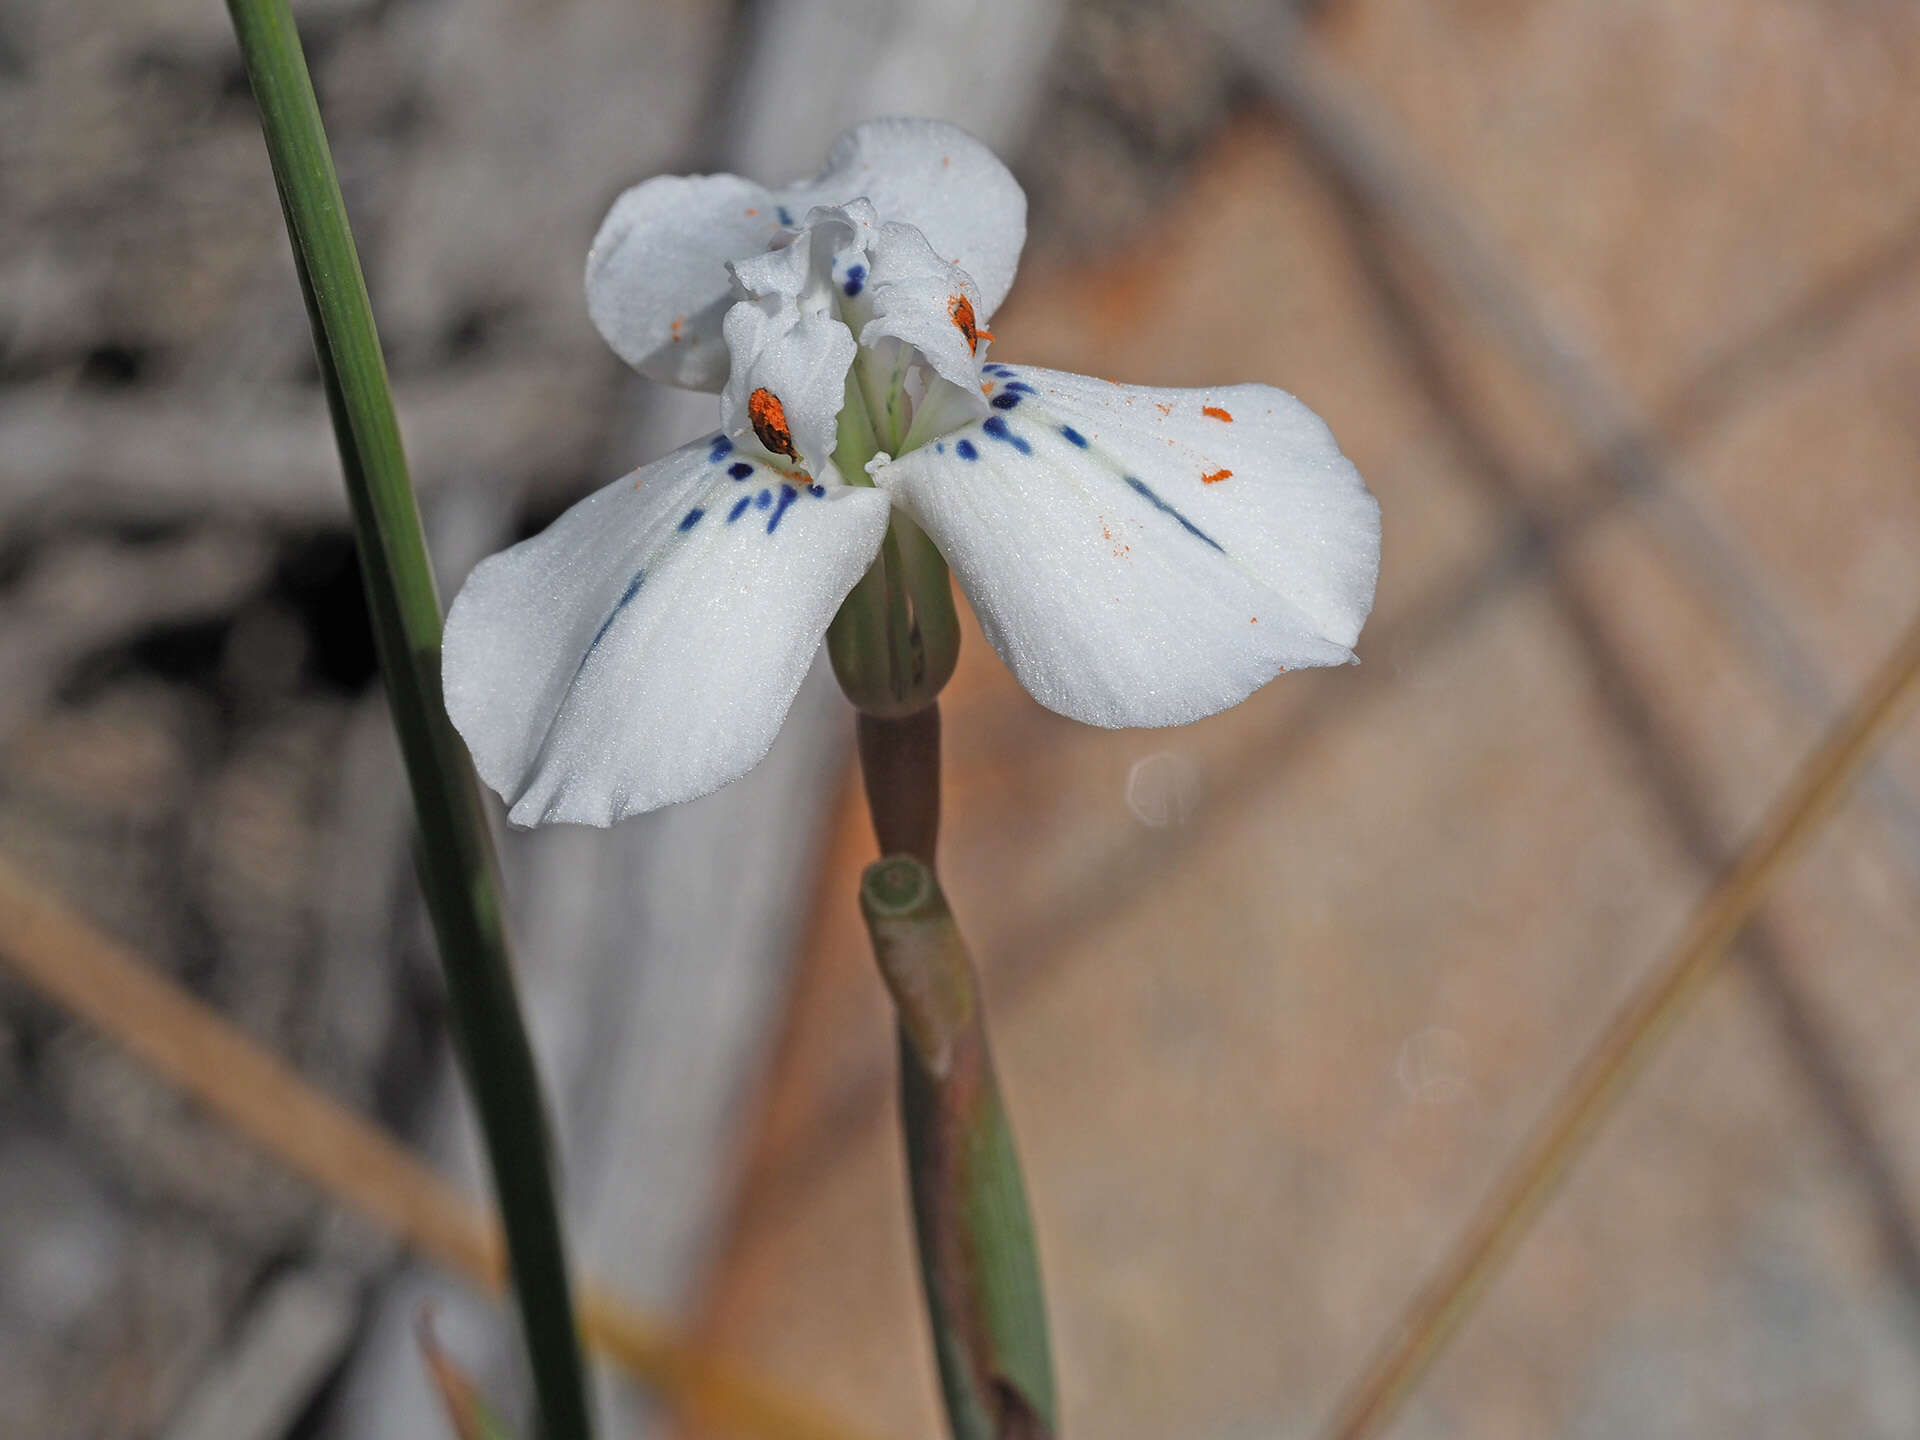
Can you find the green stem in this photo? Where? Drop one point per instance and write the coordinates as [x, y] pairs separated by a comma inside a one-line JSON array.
[[455, 850], [977, 1257]]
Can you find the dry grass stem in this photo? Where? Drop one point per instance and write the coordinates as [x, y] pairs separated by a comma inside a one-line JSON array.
[[66, 959], [1626, 1044]]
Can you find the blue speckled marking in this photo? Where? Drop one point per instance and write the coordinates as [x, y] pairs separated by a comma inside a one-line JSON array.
[[1074, 435], [740, 470], [856, 280], [964, 449], [722, 447], [1142, 488], [787, 496], [786, 216], [1005, 400], [997, 428], [739, 508], [693, 518], [763, 499], [626, 598]]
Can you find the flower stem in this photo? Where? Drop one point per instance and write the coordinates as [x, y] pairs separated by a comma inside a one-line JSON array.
[[978, 1263], [900, 761], [455, 851]]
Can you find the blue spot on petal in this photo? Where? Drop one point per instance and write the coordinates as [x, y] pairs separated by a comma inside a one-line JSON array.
[[763, 499], [1074, 435], [856, 280], [964, 449], [997, 428], [693, 518], [787, 496], [1142, 488], [740, 470], [739, 508], [939, 447], [722, 447], [818, 492], [786, 216], [1004, 401]]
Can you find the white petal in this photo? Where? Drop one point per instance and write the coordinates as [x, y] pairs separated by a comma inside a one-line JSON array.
[[939, 179], [932, 306], [645, 647], [657, 283], [1148, 557], [801, 361]]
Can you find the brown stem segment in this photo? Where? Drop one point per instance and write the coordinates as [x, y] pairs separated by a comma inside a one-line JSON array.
[[900, 762], [978, 1263]]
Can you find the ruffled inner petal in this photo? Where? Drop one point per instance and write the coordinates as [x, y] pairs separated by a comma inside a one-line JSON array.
[[927, 303], [787, 379], [645, 648], [1147, 557]]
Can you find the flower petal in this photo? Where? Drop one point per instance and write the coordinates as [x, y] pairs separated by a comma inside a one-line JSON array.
[[1148, 557], [920, 299], [938, 179], [645, 648], [788, 378], [657, 283]]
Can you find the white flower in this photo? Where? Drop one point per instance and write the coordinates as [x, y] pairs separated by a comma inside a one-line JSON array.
[[1136, 556]]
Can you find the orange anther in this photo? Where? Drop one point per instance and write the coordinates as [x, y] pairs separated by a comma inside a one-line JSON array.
[[769, 418], [1216, 477], [961, 309]]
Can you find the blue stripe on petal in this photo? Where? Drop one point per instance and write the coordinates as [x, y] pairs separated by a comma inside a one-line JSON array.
[[763, 499], [997, 428], [740, 470], [1074, 435], [1022, 387], [739, 508], [964, 449], [1005, 400], [787, 496], [1142, 488], [722, 447], [693, 518], [626, 598]]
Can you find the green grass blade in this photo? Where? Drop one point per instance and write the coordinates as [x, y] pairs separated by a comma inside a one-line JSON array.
[[455, 852]]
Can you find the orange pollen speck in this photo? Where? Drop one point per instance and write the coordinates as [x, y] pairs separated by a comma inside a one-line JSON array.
[[1216, 412], [1163, 409], [961, 309], [770, 422], [1216, 477]]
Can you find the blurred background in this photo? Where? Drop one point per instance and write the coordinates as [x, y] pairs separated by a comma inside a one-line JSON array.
[[1617, 308]]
